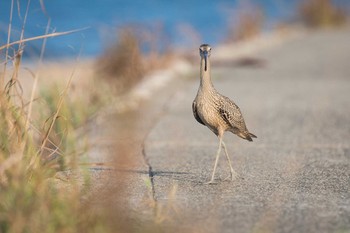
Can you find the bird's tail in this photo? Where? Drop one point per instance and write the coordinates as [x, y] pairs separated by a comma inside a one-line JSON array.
[[252, 135], [247, 135]]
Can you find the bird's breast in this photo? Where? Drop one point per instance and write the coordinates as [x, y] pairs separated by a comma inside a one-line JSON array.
[[208, 111]]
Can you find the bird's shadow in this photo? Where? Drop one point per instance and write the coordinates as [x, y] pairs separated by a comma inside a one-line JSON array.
[[141, 171], [183, 177]]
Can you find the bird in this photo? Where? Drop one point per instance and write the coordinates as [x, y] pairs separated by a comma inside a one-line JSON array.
[[217, 112]]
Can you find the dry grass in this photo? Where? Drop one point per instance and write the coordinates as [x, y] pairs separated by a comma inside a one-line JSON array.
[[29, 201], [32, 130], [137, 52], [246, 22], [122, 62], [321, 13]]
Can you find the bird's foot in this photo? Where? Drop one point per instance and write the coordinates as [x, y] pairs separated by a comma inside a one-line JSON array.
[[233, 176], [211, 182]]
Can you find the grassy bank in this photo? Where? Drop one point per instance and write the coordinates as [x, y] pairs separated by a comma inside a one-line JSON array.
[[38, 137]]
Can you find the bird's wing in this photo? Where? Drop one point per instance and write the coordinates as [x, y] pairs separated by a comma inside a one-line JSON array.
[[231, 113], [195, 114]]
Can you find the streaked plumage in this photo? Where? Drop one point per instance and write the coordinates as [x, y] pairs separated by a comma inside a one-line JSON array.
[[216, 111]]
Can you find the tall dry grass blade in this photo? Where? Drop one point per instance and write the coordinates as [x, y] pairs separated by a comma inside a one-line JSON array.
[[35, 84], [19, 9], [43, 8], [38, 132], [2, 79], [21, 45], [42, 37], [13, 82], [54, 117], [24, 24], [36, 78]]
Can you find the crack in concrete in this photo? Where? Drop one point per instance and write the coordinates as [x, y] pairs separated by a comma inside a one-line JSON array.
[[151, 173]]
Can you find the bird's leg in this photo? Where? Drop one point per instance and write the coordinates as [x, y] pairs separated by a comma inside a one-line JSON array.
[[216, 161], [233, 174]]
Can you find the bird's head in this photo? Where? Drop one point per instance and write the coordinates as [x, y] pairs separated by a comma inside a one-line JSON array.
[[204, 52]]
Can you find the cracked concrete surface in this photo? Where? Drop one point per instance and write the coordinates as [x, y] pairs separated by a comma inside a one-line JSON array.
[[296, 174]]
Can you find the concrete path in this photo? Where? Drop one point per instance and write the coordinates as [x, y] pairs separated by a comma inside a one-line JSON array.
[[295, 176]]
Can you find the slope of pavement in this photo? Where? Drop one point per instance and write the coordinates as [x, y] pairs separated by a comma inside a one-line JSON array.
[[295, 176]]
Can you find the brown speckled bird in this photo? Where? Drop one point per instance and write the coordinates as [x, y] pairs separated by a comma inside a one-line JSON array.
[[216, 111]]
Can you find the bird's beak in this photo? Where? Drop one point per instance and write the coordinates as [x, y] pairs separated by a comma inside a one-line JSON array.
[[205, 60]]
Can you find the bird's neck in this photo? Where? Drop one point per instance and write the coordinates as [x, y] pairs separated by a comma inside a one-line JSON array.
[[205, 79]]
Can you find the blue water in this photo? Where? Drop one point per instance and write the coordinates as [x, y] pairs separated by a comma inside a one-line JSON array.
[[208, 18]]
